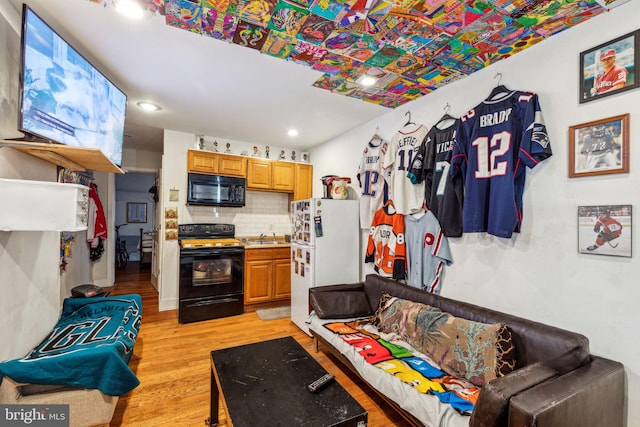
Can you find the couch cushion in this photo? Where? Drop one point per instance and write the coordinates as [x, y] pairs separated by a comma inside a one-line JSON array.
[[340, 304], [476, 351], [561, 349]]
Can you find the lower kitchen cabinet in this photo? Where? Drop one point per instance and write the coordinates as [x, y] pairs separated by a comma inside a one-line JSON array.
[[267, 275]]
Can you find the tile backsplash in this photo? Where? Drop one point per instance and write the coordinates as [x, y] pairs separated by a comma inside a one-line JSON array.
[[264, 212]]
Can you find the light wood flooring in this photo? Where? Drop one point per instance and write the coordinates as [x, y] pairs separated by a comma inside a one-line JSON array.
[[172, 362]]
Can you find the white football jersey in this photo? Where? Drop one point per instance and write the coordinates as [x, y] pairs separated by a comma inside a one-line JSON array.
[[407, 197], [373, 185]]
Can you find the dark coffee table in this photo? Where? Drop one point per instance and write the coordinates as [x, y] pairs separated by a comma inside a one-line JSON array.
[[265, 384]]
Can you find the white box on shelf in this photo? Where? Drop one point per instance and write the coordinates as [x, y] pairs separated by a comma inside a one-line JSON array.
[[42, 206]]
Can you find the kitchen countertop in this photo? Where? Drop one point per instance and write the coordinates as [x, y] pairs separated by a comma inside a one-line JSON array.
[[267, 242]]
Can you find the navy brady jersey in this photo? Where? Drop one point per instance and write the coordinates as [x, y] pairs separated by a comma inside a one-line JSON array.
[[494, 144], [443, 193]]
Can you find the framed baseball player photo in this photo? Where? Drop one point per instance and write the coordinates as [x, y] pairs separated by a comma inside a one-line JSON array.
[[600, 147], [605, 230], [610, 68]]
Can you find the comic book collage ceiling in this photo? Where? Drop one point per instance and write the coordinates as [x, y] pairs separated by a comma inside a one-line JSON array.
[[412, 47]]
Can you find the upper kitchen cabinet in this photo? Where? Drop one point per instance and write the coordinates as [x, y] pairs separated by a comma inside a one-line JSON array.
[[303, 181], [232, 165], [264, 174], [283, 176], [216, 163]]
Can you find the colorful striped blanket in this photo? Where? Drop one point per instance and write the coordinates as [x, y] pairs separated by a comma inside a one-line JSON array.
[[89, 347], [407, 364]]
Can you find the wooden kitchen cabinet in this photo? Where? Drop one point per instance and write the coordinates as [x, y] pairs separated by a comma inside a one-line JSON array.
[[259, 174], [232, 165], [303, 181], [202, 162], [270, 175], [267, 275], [283, 176], [216, 163]]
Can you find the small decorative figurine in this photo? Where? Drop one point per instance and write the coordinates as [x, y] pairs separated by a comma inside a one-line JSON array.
[[215, 146], [228, 150], [200, 143], [282, 156], [266, 152], [256, 153], [293, 156]]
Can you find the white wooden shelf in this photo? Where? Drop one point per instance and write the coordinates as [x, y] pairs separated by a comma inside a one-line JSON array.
[[43, 206], [74, 158]]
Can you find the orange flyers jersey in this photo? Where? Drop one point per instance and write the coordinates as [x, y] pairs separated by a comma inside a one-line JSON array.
[[386, 246]]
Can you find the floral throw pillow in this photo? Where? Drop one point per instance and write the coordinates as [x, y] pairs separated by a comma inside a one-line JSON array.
[[463, 348]]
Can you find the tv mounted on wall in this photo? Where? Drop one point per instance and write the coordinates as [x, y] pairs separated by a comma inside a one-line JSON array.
[[63, 98]]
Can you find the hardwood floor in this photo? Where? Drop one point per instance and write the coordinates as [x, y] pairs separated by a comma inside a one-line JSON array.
[[172, 362]]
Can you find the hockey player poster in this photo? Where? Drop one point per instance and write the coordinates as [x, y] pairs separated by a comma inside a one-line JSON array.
[[599, 147], [605, 230]]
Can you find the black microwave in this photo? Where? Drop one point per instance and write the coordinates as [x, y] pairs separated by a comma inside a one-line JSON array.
[[215, 190]]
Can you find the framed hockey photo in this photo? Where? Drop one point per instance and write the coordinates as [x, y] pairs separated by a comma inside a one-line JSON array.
[[599, 147], [605, 230], [610, 68]]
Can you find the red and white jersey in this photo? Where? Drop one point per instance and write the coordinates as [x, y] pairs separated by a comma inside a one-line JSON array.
[[407, 197], [606, 81], [386, 246], [373, 186], [609, 226]]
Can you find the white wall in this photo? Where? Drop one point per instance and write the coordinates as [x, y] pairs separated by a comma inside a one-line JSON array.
[[30, 302], [539, 274]]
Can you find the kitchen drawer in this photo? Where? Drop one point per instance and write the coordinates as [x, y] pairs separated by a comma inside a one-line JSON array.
[[266, 253]]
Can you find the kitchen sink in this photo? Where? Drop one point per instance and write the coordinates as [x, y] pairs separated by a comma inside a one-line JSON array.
[[264, 242]]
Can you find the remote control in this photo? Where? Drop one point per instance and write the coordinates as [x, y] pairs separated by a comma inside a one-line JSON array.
[[320, 383]]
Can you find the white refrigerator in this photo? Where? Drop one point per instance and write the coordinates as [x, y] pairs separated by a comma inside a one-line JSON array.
[[325, 249]]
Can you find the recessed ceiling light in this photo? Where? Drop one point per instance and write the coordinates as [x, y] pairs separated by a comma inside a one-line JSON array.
[[148, 106], [129, 8], [366, 80], [292, 132]]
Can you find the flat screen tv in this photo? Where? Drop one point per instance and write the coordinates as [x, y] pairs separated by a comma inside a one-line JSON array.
[[64, 99]]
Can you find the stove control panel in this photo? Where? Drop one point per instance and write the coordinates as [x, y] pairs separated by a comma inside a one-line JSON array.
[[206, 230]]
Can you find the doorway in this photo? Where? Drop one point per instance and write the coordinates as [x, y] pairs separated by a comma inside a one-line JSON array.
[[135, 207]]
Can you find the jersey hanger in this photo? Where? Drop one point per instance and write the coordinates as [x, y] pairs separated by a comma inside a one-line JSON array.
[[376, 139], [499, 90], [422, 212], [445, 121], [409, 122], [389, 207]]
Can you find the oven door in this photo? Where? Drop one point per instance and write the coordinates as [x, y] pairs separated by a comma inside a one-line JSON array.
[[211, 272]]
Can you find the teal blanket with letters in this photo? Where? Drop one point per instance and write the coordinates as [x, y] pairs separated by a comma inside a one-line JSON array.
[[89, 347]]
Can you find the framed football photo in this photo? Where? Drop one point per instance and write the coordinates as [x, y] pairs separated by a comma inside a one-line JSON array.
[[610, 68], [599, 147], [605, 230]]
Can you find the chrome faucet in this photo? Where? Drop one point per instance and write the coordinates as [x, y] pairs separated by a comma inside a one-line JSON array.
[[261, 238]]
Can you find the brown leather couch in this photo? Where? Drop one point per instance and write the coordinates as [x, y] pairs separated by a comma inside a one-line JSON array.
[[556, 383]]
